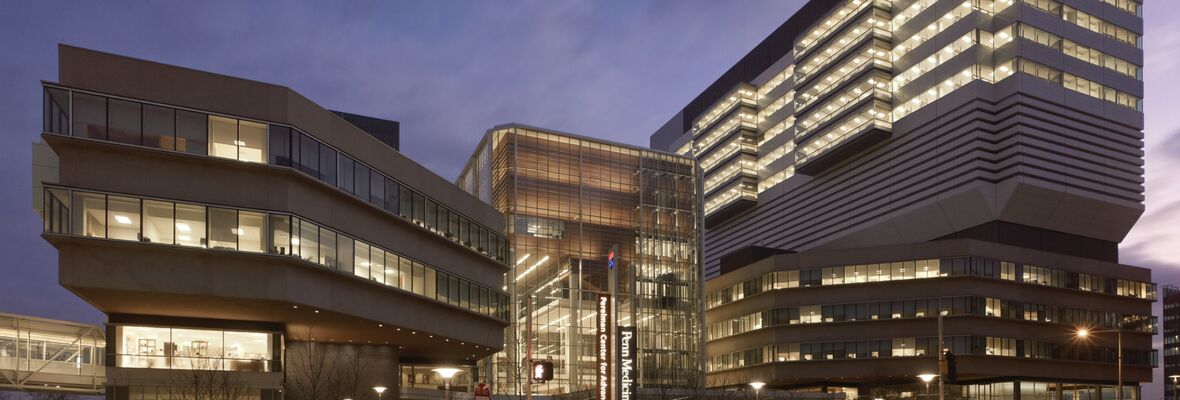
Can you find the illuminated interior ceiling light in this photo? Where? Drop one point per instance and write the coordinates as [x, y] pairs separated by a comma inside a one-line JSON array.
[[122, 219], [183, 227], [530, 269]]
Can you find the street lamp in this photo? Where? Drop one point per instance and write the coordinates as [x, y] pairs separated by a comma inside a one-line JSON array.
[[379, 390], [447, 374], [1174, 377], [1084, 333], [927, 378], [757, 388]]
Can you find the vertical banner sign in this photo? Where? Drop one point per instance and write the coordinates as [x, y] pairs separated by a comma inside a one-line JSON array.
[[626, 360], [602, 330]]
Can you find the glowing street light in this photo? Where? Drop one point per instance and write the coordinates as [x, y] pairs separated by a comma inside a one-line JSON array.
[[447, 374], [379, 390], [1084, 333], [927, 378], [757, 388]]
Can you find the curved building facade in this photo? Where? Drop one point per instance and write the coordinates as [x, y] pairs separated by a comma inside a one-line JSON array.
[[244, 239]]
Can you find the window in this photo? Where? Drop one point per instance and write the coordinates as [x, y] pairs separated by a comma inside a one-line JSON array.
[[57, 111], [308, 240], [361, 268], [345, 248], [125, 122], [393, 275], [361, 181], [192, 132], [377, 264], [57, 211], [280, 146], [190, 225], [347, 174], [159, 127], [309, 155], [223, 135], [429, 281], [391, 198], [377, 189], [407, 202], [90, 216], [251, 141], [328, 165], [410, 280], [280, 234], [122, 218], [223, 223], [249, 231], [196, 349], [328, 248], [90, 116]]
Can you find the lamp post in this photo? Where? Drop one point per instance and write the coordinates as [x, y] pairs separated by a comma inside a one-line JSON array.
[[1084, 333], [757, 388], [1174, 394], [380, 390], [447, 374], [927, 378]]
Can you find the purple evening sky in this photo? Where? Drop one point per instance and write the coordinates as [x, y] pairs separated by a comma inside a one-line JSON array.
[[449, 70]]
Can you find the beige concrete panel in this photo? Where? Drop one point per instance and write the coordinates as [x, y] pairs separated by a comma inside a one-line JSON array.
[[133, 278]]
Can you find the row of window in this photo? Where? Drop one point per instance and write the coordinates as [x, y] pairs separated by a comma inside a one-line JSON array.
[[1069, 81], [833, 22], [928, 32], [923, 346], [942, 56], [872, 115], [1090, 22], [872, 23], [874, 54], [930, 268], [1075, 50], [740, 189], [1130, 6], [742, 94], [93, 116], [90, 214], [941, 89], [197, 349], [39, 346], [929, 307]]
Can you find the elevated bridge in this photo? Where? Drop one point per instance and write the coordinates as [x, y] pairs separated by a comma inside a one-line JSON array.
[[38, 354]]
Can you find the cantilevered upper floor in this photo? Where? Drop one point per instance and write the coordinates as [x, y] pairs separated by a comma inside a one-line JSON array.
[[182, 193]]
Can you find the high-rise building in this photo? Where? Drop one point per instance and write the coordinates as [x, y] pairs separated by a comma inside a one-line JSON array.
[[246, 243], [1171, 341], [604, 246], [874, 163]]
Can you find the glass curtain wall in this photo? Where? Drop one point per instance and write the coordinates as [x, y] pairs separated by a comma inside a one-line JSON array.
[[569, 201]]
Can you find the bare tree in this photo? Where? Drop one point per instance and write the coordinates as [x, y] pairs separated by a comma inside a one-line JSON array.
[[354, 373], [208, 379], [311, 372]]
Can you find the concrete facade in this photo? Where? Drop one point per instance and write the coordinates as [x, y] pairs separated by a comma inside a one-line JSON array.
[[864, 135], [351, 251]]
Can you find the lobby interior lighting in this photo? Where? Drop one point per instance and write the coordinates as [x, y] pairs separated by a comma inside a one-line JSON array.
[[530, 269], [122, 219]]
